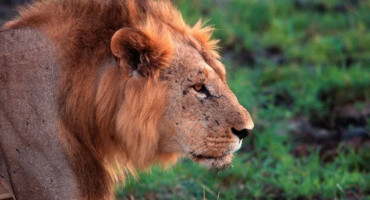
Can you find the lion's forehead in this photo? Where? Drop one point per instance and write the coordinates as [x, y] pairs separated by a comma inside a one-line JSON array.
[[189, 61]]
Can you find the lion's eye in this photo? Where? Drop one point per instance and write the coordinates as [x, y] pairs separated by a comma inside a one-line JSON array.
[[198, 87], [201, 88]]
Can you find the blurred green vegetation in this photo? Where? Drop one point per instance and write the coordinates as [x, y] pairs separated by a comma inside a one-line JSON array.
[[286, 59], [306, 32]]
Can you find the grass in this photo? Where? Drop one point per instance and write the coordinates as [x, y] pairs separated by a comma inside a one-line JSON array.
[[268, 173], [285, 59]]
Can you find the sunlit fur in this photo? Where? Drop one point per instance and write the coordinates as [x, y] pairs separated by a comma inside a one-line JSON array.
[[108, 121]]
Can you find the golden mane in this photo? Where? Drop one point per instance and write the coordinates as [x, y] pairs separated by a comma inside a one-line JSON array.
[[95, 20], [95, 105]]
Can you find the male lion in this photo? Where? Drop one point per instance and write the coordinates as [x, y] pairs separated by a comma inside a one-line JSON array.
[[92, 90]]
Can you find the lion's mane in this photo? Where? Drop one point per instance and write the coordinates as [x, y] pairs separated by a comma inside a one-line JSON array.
[[108, 123]]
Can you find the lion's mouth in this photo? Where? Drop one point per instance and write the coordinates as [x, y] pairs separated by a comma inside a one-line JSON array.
[[214, 162], [196, 156]]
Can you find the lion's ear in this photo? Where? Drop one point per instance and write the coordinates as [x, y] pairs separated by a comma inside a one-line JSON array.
[[139, 52]]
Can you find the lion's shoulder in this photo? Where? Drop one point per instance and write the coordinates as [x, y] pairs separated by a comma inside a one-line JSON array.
[[28, 116]]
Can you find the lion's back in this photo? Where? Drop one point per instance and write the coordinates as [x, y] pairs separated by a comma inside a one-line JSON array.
[[28, 115]]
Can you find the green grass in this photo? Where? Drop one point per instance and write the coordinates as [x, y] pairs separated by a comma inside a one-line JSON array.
[[322, 61], [269, 173]]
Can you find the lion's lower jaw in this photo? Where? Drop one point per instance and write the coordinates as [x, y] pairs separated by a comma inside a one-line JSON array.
[[217, 163]]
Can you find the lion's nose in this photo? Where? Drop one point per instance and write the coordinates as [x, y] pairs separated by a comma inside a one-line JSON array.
[[242, 133]]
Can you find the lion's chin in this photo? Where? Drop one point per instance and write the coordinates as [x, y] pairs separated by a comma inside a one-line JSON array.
[[218, 163]]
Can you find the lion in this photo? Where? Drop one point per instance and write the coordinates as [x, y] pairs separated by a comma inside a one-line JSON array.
[[93, 91]]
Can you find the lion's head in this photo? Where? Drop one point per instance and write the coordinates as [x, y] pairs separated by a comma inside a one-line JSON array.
[[187, 100], [202, 118]]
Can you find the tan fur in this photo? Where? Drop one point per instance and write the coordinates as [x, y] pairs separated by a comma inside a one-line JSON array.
[[121, 115]]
